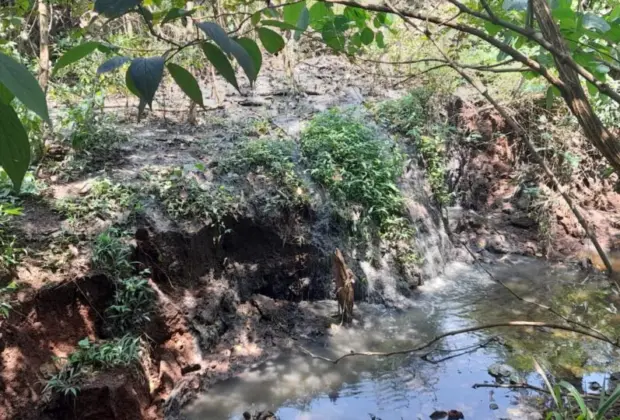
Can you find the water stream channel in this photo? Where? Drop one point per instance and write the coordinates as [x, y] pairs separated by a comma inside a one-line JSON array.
[[296, 386]]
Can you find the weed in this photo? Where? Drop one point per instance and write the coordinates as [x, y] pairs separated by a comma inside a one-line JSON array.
[[258, 128], [104, 200], [5, 299], [185, 197], [406, 115], [358, 168], [111, 255], [9, 252], [90, 357], [273, 158], [133, 303]]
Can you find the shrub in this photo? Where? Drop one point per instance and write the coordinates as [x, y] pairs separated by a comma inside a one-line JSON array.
[[111, 255], [133, 304]]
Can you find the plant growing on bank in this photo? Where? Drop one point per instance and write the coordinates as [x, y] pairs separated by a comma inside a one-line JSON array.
[[110, 254], [358, 168], [91, 357], [9, 252], [133, 304]]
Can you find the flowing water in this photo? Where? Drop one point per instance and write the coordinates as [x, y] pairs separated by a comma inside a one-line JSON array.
[[296, 386]]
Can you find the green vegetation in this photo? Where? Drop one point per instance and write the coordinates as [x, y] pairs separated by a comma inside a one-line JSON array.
[[5, 299], [273, 158], [133, 304], [9, 252], [359, 169], [111, 254], [185, 197], [409, 117], [90, 357]]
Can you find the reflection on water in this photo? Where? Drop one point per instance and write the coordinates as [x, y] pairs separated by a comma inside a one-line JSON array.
[[296, 386]]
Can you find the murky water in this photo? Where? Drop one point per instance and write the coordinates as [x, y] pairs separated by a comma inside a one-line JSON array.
[[406, 387]]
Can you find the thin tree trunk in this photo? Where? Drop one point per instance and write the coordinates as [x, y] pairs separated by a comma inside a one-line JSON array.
[[573, 92], [44, 47]]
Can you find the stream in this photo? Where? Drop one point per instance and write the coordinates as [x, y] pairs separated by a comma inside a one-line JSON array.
[[296, 386]]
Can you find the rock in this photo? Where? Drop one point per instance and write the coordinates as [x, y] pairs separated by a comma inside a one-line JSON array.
[[500, 370], [455, 415], [247, 416], [439, 415], [507, 208], [494, 406], [615, 376], [499, 245], [523, 222], [595, 386]]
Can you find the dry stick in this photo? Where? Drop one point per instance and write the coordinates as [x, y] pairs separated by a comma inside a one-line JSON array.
[[517, 324], [476, 84], [540, 305]]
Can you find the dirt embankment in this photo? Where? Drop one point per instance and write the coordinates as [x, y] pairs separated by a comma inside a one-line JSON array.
[[506, 204]]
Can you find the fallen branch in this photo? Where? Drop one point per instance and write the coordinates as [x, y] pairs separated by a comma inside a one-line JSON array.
[[514, 324]]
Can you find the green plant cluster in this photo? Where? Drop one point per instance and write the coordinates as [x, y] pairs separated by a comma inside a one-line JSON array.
[[133, 304], [409, 117], [358, 167], [275, 159], [90, 357], [9, 251], [111, 255]]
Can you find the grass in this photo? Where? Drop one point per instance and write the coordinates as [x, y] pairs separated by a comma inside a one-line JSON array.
[[104, 200], [274, 159], [110, 254], [133, 304], [359, 169], [9, 251], [90, 357], [186, 197]]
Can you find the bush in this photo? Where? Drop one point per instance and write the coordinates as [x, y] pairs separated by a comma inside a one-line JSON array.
[[111, 255], [358, 167], [133, 304]]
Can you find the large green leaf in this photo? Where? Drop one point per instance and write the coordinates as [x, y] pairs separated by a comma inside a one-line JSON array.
[[595, 23], [114, 8], [254, 52], [112, 64], [131, 86], [75, 54], [302, 23], [244, 59], [220, 62], [380, 40], [14, 146], [146, 74], [6, 96], [217, 34], [357, 15], [176, 13], [320, 14], [292, 12], [187, 82], [16, 78], [278, 24], [271, 40], [333, 36], [367, 36]]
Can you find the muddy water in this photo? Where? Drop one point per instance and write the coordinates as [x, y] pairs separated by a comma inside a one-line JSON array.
[[295, 386]]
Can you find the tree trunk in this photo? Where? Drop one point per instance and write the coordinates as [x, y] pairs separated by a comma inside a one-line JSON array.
[[44, 44], [573, 93]]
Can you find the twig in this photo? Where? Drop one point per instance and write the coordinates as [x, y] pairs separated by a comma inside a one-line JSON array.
[[517, 324]]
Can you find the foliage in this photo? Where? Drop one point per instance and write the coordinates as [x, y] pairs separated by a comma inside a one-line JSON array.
[[274, 158], [186, 197], [133, 303], [409, 117], [104, 199], [90, 357], [5, 299], [9, 252], [358, 167], [111, 255], [573, 405]]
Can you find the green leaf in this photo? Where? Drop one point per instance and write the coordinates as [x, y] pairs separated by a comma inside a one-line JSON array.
[[320, 14], [577, 397], [333, 37], [114, 8], [112, 64], [380, 39], [357, 15], [255, 18], [271, 40], [75, 54], [220, 62], [549, 98], [84, 343], [176, 13], [14, 146], [608, 404], [217, 34], [302, 23], [131, 86], [254, 51], [291, 12], [245, 60], [594, 22], [146, 74], [187, 82], [16, 78], [277, 24], [6, 96], [367, 36]]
